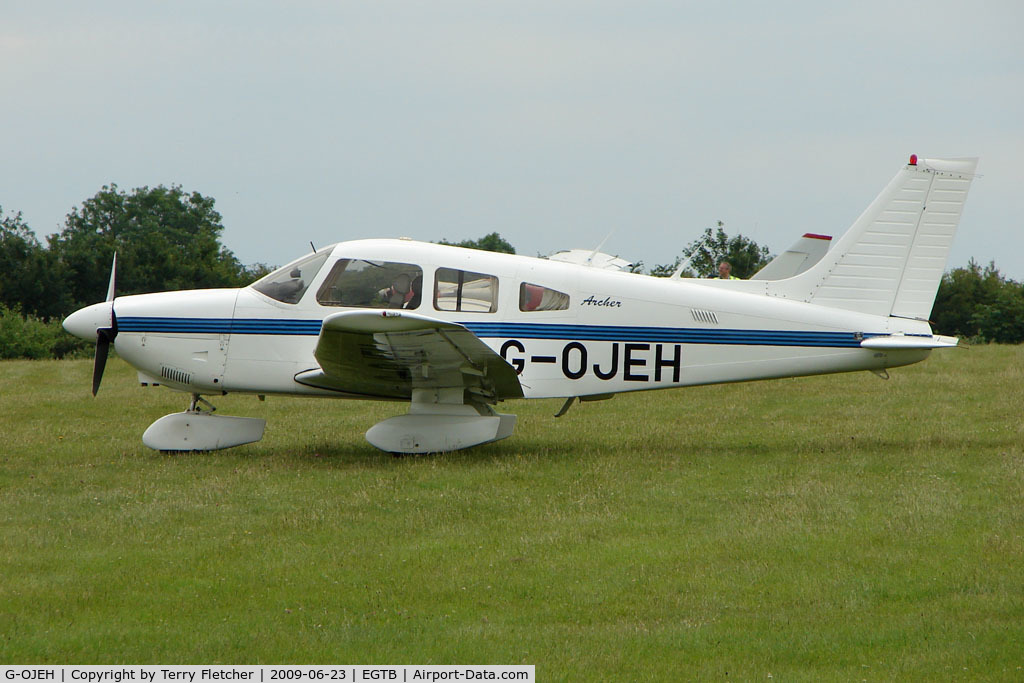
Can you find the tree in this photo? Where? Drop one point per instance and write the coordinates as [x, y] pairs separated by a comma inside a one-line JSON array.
[[1002, 320], [165, 239], [491, 242], [30, 280], [980, 303], [715, 246], [255, 271]]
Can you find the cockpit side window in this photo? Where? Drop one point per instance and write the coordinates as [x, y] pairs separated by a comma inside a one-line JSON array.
[[540, 298], [461, 290], [372, 284], [289, 283]]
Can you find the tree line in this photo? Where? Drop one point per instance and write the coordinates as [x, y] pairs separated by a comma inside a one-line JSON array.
[[167, 238], [976, 303]]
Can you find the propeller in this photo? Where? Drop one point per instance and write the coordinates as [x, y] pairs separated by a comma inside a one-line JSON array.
[[105, 335]]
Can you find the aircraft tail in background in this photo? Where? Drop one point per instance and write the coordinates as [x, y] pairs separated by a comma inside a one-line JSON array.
[[891, 260], [804, 253]]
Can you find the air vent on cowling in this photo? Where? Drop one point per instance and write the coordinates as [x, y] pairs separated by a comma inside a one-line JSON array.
[[704, 316], [175, 375]]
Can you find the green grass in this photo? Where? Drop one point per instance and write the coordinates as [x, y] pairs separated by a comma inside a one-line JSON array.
[[836, 527]]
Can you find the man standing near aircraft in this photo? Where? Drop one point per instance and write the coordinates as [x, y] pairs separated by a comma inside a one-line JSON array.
[[725, 271]]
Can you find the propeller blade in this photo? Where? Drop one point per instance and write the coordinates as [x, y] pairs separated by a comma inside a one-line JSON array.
[[110, 285], [105, 335], [102, 349]]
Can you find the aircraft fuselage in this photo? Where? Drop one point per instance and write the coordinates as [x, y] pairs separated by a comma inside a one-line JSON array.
[[610, 332]]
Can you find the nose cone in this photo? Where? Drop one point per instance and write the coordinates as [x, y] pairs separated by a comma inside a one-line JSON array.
[[85, 321]]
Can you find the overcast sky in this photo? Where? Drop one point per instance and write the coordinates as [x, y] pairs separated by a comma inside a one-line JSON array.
[[552, 123]]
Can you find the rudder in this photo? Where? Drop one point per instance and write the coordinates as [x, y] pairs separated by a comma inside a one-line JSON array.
[[891, 260]]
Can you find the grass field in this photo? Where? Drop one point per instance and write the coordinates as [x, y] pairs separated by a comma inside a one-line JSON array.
[[838, 527]]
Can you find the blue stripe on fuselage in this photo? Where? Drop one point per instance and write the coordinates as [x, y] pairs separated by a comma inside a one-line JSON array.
[[218, 325], [511, 330], [670, 335]]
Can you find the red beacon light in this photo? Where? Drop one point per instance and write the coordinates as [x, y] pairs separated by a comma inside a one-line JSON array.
[[913, 160]]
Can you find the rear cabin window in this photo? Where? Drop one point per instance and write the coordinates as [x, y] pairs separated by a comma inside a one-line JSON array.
[[539, 298], [288, 284], [461, 290], [372, 284]]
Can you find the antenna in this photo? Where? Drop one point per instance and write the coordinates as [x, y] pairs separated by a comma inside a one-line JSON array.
[[686, 264], [311, 244], [590, 259]]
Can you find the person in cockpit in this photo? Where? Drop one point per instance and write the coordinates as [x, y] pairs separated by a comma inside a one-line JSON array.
[[401, 292]]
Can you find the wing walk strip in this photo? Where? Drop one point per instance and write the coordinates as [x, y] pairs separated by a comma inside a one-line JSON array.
[[503, 330]]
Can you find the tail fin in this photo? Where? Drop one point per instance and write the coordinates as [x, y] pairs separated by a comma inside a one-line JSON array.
[[891, 259], [804, 253]]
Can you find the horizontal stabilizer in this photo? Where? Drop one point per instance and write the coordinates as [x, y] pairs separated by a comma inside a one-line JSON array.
[[903, 342]]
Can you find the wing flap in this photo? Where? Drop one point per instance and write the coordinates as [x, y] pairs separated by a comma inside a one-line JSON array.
[[387, 354]]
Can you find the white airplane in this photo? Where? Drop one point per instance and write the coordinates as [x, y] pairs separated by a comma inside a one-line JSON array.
[[456, 331]]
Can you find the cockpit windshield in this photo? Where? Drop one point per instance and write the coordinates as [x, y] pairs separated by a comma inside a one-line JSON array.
[[289, 283]]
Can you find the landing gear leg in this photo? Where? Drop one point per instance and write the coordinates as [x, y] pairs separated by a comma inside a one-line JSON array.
[[193, 406]]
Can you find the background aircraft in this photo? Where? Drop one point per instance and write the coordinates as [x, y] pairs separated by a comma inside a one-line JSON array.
[[455, 331], [804, 253]]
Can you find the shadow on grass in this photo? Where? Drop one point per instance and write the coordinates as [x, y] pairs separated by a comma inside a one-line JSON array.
[[647, 431]]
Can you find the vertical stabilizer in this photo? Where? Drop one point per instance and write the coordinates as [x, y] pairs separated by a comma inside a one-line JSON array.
[[804, 253], [892, 258]]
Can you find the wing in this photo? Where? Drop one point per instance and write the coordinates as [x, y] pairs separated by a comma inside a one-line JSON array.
[[387, 354]]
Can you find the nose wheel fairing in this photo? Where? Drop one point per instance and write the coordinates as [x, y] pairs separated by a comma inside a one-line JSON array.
[[202, 431], [198, 429]]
